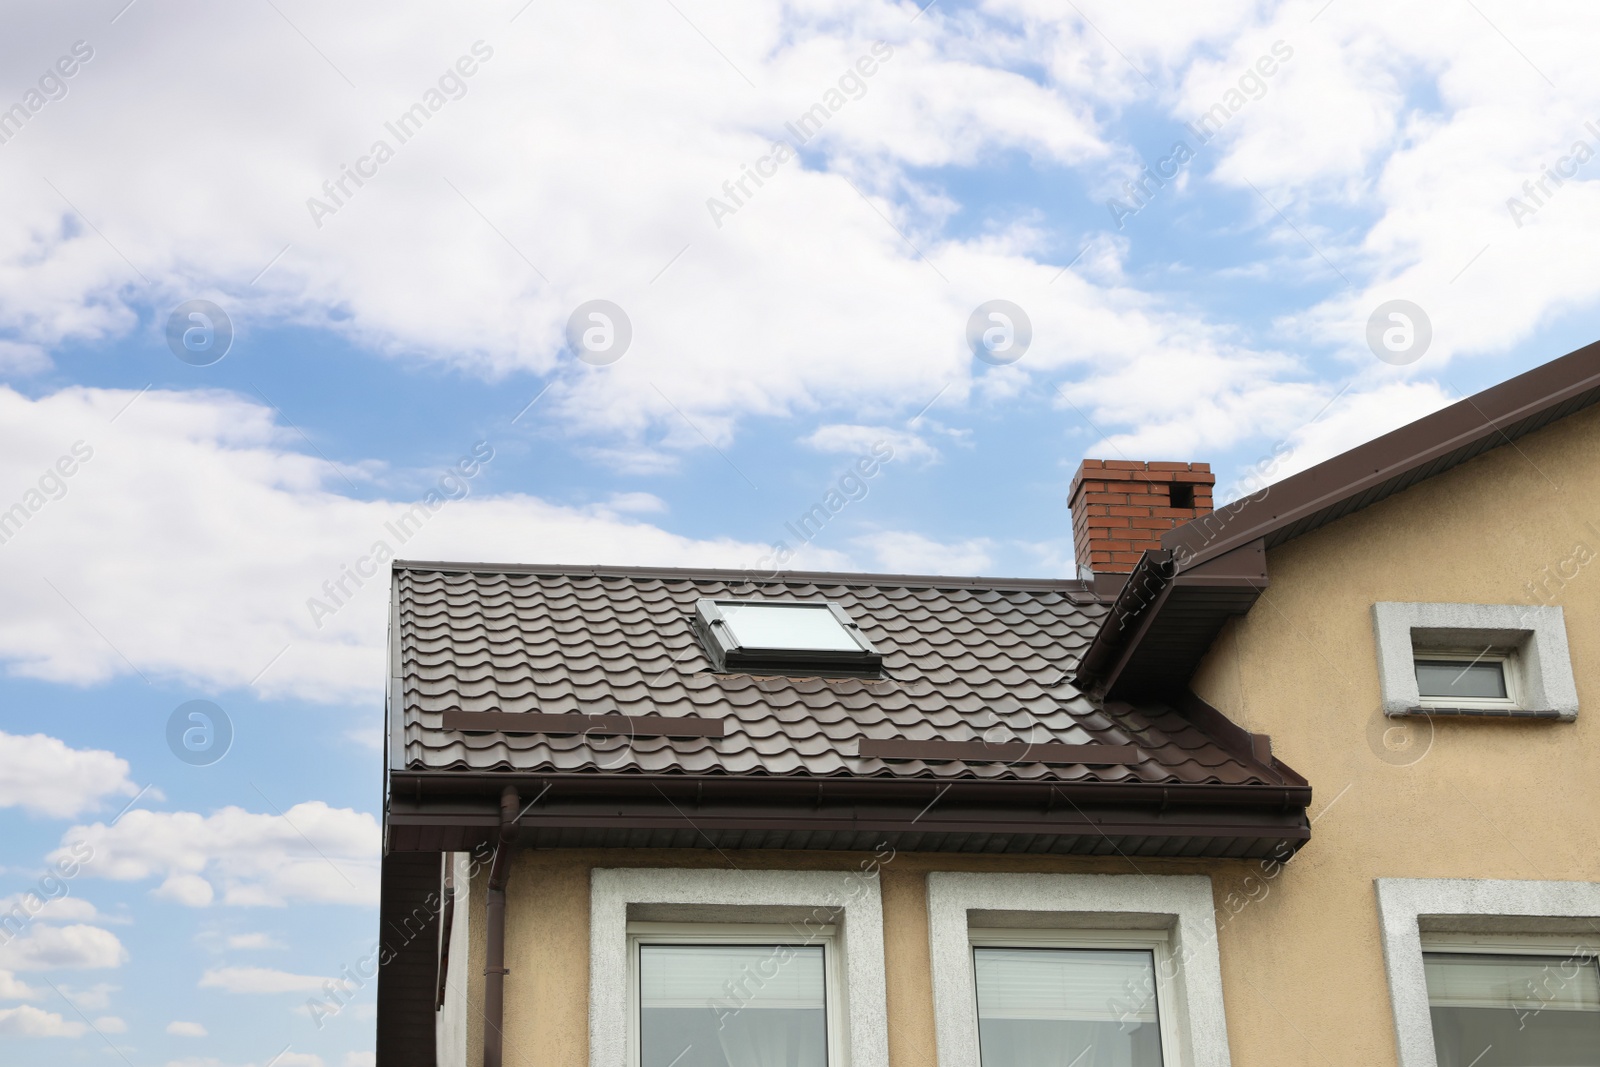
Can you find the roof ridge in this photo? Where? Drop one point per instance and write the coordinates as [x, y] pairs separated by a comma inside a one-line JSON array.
[[1076, 585]]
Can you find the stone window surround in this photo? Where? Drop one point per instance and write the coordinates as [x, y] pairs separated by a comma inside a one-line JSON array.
[[851, 899], [1539, 632], [1410, 907], [1182, 905]]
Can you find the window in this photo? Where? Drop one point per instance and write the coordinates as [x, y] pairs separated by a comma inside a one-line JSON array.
[[1485, 679], [783, 637], [1474, 659], [1180, 495], [1516, 1003], [733, 995], [665, 944], [1047, 998], [1526, 995], [1032, 970]]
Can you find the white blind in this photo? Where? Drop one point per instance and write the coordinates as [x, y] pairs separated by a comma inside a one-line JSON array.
[[1526, 983], [754, 976], [1066, 985]]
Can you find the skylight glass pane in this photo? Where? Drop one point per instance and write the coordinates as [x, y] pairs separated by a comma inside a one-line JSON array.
[[804, 627], [1054, 1007], [1443, 679], [1510, 1011], [732, 1006]]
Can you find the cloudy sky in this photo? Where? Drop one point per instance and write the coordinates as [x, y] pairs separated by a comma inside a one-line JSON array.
[[273, 272]]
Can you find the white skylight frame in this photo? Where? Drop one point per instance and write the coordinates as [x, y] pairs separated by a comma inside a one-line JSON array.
[[719, 634]]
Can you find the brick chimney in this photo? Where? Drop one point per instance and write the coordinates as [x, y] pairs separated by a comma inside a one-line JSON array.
[[1121, 507]]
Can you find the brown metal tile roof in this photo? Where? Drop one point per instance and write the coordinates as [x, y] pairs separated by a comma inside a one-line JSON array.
[[965, 660]]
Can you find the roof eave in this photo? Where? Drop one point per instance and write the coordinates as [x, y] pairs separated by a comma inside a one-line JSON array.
[[454, 810]]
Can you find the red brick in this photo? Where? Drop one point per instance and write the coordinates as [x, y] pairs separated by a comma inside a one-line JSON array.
[[1199, 466], [1116, 509], [1151, 523], [1154, 500], [1169, 466], [1124, 465], [1106, 522], [1195, 477], [1105, 498]]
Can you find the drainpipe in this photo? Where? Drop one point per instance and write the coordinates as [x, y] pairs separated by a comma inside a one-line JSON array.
[[494, 970]]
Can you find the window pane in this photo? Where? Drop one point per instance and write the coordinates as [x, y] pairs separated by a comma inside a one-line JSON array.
[[1045, 1007], [1483, 680], [810, 627], [731, 1006], [1514, 1011]]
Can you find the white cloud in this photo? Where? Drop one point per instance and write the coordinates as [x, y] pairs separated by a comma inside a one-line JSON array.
[[110, 1024], [636, 503], [259, 980], [360, 1059], [14, 988], [804, 299], [299, 1059], [904, 552], [49, 948], [1361, 416], [870, 441], [49, 909], [148, 538], [27, 1021], [94, 998], [44, 776], [310, 853], [178, 1028], [476, 301], [252, 941]]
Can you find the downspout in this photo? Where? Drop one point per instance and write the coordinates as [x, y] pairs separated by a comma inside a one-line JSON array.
[[494, 970]]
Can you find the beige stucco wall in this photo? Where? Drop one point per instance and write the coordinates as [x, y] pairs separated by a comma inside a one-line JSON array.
[[1302, 967], [1463, 799], [547, 931]]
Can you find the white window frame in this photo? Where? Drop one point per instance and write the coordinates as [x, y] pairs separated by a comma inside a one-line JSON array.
[[1169, 1000], [844, 905], [1449, 914], [1173, 915], [1508, 660], [1539, 661], [734, 933]]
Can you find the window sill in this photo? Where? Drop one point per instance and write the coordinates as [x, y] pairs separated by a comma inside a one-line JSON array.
[[1478, 713]]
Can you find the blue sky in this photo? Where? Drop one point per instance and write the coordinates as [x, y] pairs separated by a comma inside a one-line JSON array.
[[378, 345]]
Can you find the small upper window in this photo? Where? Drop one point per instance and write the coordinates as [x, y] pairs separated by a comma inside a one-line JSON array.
[[1483, 679], [783, 636]]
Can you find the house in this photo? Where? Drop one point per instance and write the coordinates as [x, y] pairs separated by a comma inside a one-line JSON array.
[[675, 818]]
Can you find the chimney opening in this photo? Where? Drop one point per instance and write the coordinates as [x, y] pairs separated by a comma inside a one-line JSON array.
[[1181, 495]]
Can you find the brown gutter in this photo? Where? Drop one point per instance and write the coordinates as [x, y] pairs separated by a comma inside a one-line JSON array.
[[494, 969]]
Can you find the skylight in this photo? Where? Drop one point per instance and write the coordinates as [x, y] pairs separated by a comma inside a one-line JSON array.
[[783, 637]]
